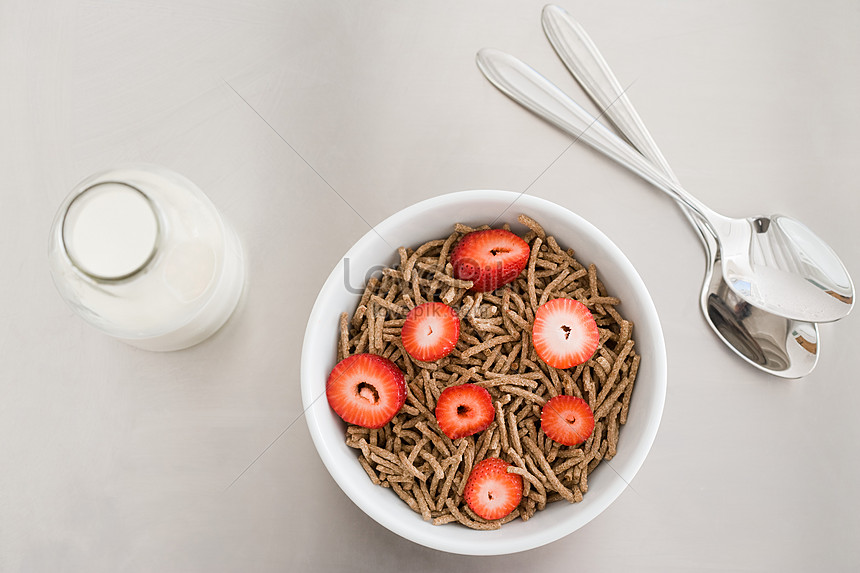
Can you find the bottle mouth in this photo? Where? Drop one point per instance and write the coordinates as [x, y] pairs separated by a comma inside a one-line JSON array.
[[111, 231]]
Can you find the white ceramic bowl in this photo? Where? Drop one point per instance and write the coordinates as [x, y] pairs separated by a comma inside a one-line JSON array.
[[432, 219]]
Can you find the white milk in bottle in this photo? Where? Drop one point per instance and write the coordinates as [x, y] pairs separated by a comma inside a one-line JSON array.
[[143, 255]]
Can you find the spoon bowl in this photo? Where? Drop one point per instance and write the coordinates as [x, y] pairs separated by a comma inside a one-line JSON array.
[[772, 343]]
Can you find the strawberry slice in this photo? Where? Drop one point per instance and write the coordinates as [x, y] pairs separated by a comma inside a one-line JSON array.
[[564, 333], [366, 390], [490, 258], [431, 331], [464, 410], [491, 491], [567, 420]]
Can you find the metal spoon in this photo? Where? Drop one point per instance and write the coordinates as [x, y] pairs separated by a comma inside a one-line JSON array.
[[775, 263], [772, 343]]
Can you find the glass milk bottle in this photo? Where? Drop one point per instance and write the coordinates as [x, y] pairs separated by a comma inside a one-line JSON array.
[[142, 254]]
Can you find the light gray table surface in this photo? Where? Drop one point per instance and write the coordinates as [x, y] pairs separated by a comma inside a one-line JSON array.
[[307, 122]]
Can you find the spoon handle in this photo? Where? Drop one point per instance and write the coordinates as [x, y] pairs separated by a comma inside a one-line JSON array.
[[587, 65], [537, 94]]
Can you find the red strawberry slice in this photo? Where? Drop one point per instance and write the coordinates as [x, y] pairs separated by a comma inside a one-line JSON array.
[[464, 410], [366, 390], [491, 491], [564, 333], [567, 420], [431, 331], [490, 258]]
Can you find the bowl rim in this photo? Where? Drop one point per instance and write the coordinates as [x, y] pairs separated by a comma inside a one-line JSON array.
[[494, 546]]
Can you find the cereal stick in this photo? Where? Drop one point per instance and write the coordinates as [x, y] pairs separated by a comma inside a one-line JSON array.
[[377, 334], [604, 300], [604, 350], [524, 345], [382, 462], [608, 402], [531, 273], [553, 383], [551, 286], [569, 462], [446, 247], [369, 449], [389, 351], [460, 457], [520, 322], [518, 301], [613, 374], [524, 393], [588, 388], [494, 354], [571, 279], [433, 436], [533, 481], [468, 461], [452, 282], [552, 451], [503, 430], [553, 480], [507, 380], [596, 440], [463, 229], [604, 369], [444, 519], [376, 299], [490, 325], [369, 470], [612, 431], [528, 511], [438, 472], [629, 390], [343, 339], [532, 376], [592, 280], [404, 256], [477, 518], [483, 443], [419, 445], [509, 517], [506, 308], [416, 289], [422, 499], [468, 522], [495, 341], [553, 245], [495, 448], [624, 334], [514, 436], [409, 268], [407, 497], [370, 321], [532, 466], [503, 367], [442, 497], [533, 225]]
